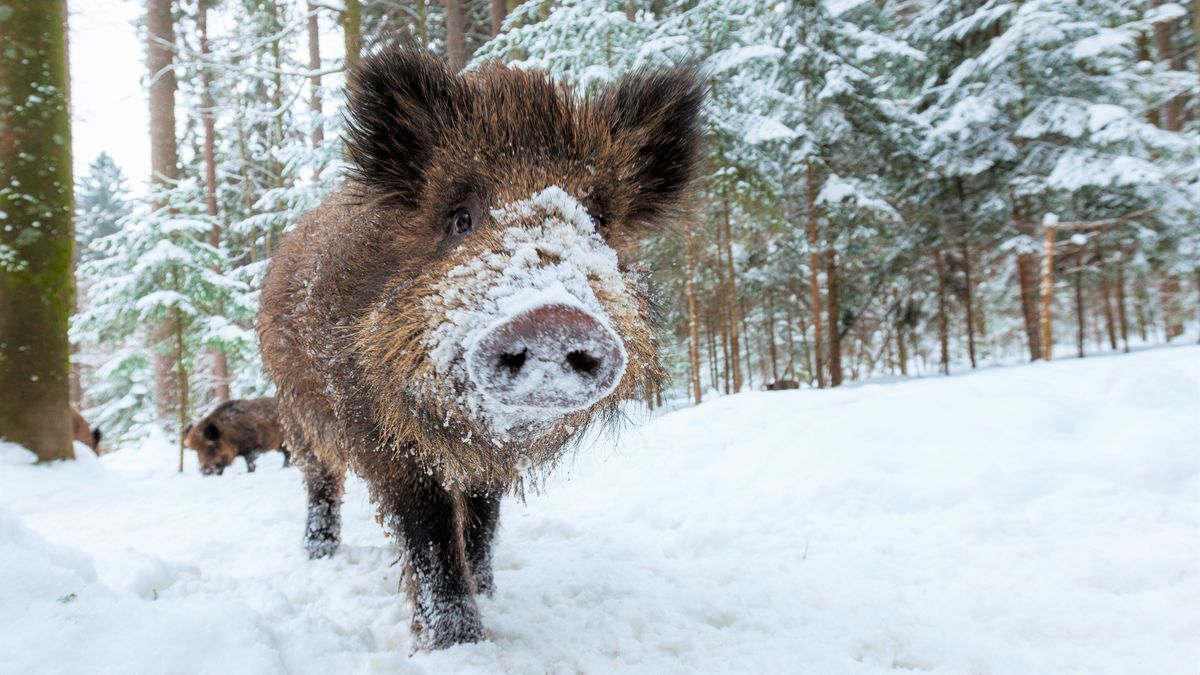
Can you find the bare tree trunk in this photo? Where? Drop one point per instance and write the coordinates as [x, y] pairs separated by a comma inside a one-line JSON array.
[[164, 165], [220, 360], [456, 38], [352, 32], [314, 65], [1171, 311], [943, 320], [1110, 323], [814, 265], [1173, 109], [499, 10], [770, 321], [965, 250], [1080, 327], [835, 331], [36, 283], [1121, 316], [693, 321], [1048, 293], [1027, 264], [731, 288]]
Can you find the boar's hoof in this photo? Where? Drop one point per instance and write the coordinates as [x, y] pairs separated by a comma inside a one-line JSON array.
[[447, 624], [550, 357]]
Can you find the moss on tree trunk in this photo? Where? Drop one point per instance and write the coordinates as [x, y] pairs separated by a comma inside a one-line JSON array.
[[36, 237]]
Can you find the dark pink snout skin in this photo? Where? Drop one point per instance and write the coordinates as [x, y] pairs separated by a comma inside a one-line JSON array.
[[550, 357]]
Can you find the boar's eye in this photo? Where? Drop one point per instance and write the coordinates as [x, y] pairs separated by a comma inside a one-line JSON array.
[[597, 213], [460, 221]]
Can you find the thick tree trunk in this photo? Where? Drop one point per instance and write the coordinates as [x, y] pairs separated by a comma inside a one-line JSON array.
[[731, 288], [456, 34], [220, 360], [943, 319], [1171, 311], [352, 32], [968, 300], [314, 65], [164, 165], [693, 320], [37, 242], [1048, 293], [834, 311], [499, 10]]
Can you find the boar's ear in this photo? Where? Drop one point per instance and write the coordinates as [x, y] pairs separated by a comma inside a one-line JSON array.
[[211, 432], [400, 103], [658, 112]]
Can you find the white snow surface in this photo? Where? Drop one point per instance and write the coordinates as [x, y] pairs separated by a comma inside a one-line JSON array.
[[1034, 519]]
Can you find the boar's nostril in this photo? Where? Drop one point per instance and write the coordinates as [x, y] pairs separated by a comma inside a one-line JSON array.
[[557, 358], [513, 362], [583, 362]]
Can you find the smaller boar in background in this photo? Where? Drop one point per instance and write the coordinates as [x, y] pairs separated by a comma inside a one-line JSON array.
[[84, 433], [245, 427]]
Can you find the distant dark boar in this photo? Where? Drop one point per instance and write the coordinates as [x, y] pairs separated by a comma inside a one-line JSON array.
[[245, 427], [467, 304], [782, 385], [84, 433]]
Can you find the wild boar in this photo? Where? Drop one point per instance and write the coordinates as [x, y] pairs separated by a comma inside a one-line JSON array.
[[469, 302], [242, 427], [84, 433]]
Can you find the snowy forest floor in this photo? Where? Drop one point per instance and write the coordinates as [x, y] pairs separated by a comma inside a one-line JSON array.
[[1034, 519]]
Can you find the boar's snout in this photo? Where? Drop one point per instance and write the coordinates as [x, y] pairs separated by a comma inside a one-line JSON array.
[[553, 357]]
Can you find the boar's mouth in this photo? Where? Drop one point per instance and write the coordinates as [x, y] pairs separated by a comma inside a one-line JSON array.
[[553, 358]]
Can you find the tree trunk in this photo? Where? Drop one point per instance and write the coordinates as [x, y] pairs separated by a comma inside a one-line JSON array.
[[164, 166], [1048, 293], [1121, 315], [968, 300], [1080, 327], [770, 321], [37, 241], [810, 202], [220, 360], [1027, 264], [1171, 311], [693, 320], [352, 32], [731, 289], [833, 310], [1110, 323], [499, 10], [456, 35], [1173, 109], [314, 65], [943, 320]]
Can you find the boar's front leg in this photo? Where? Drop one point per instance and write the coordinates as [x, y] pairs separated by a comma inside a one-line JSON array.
[[483, 514], [323, 529], [427, 521]]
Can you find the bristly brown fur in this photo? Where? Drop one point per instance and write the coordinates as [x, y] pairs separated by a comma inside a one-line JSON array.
[[241, 427], [345, 322]]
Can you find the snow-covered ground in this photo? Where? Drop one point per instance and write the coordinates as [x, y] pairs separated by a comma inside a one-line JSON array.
[[1035, 519]]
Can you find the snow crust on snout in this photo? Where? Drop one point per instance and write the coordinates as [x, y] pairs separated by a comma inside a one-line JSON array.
[[549, 253], [546, 381]]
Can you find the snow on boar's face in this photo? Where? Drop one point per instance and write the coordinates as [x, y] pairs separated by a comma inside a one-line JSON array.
[[517, 314]]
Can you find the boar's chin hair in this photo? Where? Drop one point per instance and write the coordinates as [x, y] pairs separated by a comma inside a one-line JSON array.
[[418, 412]]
